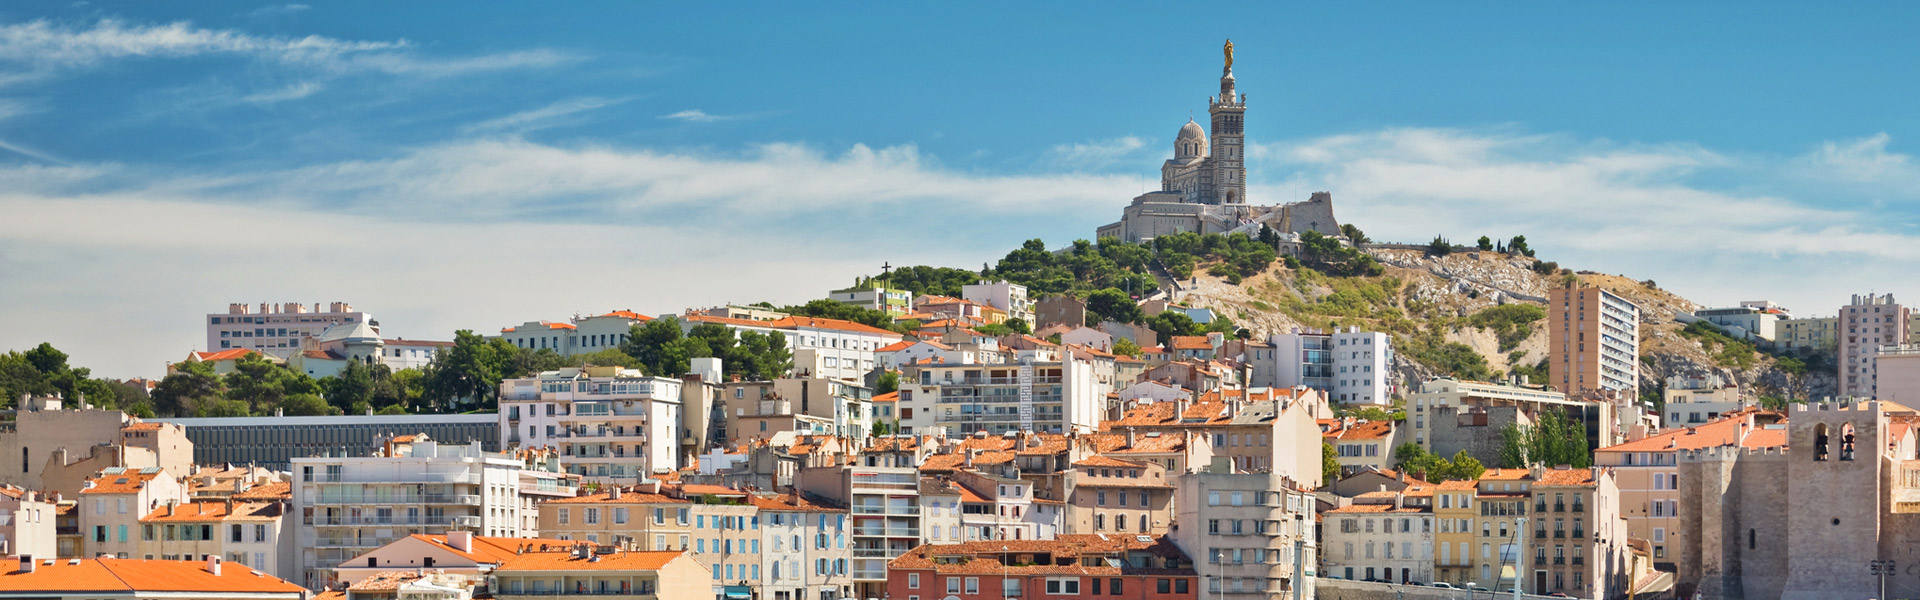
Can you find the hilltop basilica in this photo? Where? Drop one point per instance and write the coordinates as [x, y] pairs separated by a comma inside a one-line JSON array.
[[1203, 188]]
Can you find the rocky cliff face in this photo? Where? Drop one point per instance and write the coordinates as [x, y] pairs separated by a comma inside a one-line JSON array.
[[1427, 301]]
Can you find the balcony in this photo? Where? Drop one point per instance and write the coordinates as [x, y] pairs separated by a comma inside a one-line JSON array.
[[1559, 507], [886, 510], [1559, 533], [462, 477], [1579, 508], [1539, 534], [344, 521], [887, 532], [1579, 560], [880, 575], [1559, 560], [878, 552], [1539, 560], [350, 542], [1577, 534], [557, 490], [1540, 508]]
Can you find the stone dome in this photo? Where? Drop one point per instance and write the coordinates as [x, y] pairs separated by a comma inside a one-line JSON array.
[[1192, 141]]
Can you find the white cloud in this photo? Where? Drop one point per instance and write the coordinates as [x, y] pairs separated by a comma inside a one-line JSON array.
[[1095, 155], [43, 46], [291, 92], [545, 116], [697, 116]]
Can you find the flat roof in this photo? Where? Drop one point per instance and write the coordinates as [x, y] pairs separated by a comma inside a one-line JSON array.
[[334, 420]]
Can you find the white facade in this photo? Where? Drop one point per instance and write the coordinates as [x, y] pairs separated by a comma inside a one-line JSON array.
[[797, 540], [581, 335], [1371, 541], [276, 329], [1699, 400], [1753, 320], [1351, 366], [1058, 397], [1089, 337], [1245, 531], [348, 505], [827, 348], [1004, 295], [607, 423], [410, 354]]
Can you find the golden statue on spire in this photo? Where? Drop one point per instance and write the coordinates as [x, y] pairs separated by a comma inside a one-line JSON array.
[[1229, 51]]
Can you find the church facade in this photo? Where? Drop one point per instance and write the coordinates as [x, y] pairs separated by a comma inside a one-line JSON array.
[[1203, 188]]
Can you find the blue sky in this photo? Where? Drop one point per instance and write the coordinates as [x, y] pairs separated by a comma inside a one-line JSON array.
[[476, 166]]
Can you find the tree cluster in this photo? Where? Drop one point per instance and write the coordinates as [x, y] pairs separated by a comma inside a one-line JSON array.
[[661, 348], [1554, 440], [1327, 255], [43, 371], [1414, 460]]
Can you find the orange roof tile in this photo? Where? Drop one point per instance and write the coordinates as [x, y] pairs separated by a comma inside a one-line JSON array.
[[120, 576], [565, 561], [150, 426], [234, 354], [626, 497], [127, 481], [1371, 430], [199, 512], [1192, 342], [888, 397], [897, 346], [1565, 477], [279, 490], [1101, 460], [787, 502], [489, 550], [710, 490], [628, 314], [1505, 475], [819, 323], [1717, 433]]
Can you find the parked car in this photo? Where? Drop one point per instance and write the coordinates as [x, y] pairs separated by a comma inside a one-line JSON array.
[[1444, 585]]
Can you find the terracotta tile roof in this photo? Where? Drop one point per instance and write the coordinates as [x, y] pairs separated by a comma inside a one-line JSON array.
[[565, 561], [968, 495], [699, 318], [628, 314], [489, 550], [819, 323], [1101, 460], [1144, 415], [710, 490], [117, 576], [142, 427], [887, 397], [1717, 433], [955, 460], [125, 481], [550, 325], [1371, 430], [626, 497], [200, 512], [1505, 475], [983, 557], [319, 354], [897, 346], [1145, 443], [788, 502], [384, 581], [278, 490], [1420, 490], [1565, 478], [1459, 485], [894, 444], [1191, 342], [234, 354]]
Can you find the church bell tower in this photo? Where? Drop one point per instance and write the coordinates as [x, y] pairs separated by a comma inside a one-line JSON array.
[[1229, 139]]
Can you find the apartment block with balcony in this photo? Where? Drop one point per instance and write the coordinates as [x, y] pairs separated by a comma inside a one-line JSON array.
[[807, 552], [884, 503], [1247, 531], [348, 505], [638, 518], [1868, 323], [1048, 397], [1350, 365], [1381, 536], [1593, 340], [593, 571], [608, 423], [807, 405]]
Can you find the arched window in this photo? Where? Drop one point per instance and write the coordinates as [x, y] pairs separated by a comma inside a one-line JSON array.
[[1820, 442], [1846, 441]]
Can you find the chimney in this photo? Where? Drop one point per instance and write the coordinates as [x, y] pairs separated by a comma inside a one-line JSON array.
[[1129, 437], [1401, 475], [169, 509], [968, 462], [460, 540], [213, 565], [1537, 471], [1597, 470], [615, 494], [26, 563]]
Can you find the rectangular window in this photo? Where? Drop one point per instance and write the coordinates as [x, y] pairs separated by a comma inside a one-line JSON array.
[[953, 585], [913, 581]]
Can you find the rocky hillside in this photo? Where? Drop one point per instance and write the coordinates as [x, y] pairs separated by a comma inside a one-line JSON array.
[[1477, 314]]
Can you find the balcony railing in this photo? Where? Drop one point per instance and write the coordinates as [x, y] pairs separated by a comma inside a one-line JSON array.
[[459, 521], [1540, 508], [885, 510], [1539, 534], [1579, 534], [399, 478], [1559, 507], [1559, 560], [1559, 533], [1579, 508], [870, 575], [1579, 560]]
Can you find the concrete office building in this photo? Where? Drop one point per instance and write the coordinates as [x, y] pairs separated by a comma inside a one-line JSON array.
[[1870, 322], [1050, 397], [277, 329], [1246, 531], [273, 442], [1593, 341]]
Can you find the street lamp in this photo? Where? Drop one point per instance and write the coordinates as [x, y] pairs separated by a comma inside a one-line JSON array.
[[1881, 569]]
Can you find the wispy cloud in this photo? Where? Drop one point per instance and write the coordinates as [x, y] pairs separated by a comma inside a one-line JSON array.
[[545, 116], [291, 92], [695, 115], [1096, 155]]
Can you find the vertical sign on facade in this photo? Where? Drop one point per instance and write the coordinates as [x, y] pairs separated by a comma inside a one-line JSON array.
[[1026, 397]]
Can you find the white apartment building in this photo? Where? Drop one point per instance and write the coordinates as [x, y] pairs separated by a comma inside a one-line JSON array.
[[1246, 531], [26, 523], [277, 329], [1004, 295], [1350, 365], [1870, 322], [875, 297], [1754, 320], [1054, 397], [349, 505], [829, 348], [606, 423], [580, 335]]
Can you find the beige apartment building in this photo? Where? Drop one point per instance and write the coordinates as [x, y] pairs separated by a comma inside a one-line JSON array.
[[590, 571], [1593, 340], [53, 445], [1114, 496], [620, 517], [1583, 552], [1647, 474], [253, 534], [113, 503]]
